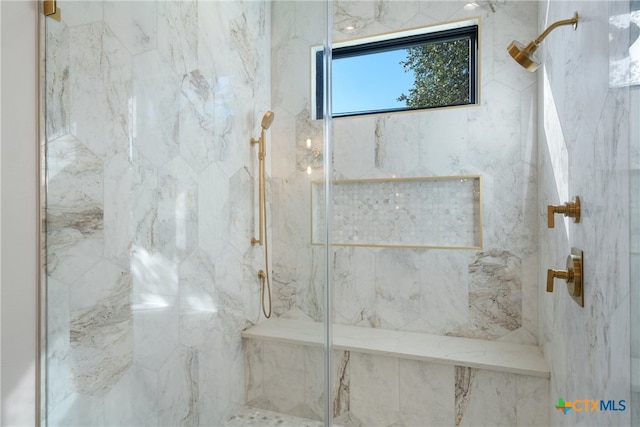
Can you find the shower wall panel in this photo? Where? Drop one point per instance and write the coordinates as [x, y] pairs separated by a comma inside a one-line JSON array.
[[383, 390], [585, 151], [150, 273], [634, 211], [488, 293], [298, 268]]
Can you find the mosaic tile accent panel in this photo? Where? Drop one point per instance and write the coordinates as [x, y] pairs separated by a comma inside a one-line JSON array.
[[413, 212]]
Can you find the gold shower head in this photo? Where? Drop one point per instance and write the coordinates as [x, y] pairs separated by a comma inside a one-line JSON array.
[[267, 119], [524, 55]]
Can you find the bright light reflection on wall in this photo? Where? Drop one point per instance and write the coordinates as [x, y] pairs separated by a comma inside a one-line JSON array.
[[556, 145], [201, 302], [181, 220], [155, 278], [624, 49], [58, 162]]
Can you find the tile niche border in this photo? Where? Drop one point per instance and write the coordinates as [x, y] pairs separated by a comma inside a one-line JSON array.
[[380, 212]]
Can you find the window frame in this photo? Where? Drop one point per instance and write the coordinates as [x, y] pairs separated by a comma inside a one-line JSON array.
[[466, 29]]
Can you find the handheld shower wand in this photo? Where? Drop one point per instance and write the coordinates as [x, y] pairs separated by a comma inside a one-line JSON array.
[[267, 119], [263, 276]]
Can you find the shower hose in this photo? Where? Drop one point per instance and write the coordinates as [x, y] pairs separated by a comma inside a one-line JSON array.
[[265, 282]]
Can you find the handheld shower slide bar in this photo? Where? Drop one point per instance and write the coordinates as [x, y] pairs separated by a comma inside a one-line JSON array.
[[263, 276], [262, 153]]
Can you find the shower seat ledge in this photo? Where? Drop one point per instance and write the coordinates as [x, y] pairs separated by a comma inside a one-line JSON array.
[[469, 352]]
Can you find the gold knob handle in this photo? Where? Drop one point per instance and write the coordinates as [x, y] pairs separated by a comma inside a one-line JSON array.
[[572, 275], [570, 209]]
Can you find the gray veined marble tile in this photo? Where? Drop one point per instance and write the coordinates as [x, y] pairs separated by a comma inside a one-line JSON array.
[[57, 96], [118, 205], [179, 385], [178, 34], [100, 89], [427, 393], [133, 23], [206, 118], [155, 105], [397, 289], [374, 389], [485, 398], [495, 289], [102, 340], [342, 387]]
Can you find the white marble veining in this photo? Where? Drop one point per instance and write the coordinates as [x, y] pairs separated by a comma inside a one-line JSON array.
[[495, 294], [482, 354], [588, 348], [495, 140], [150, 208], [407, 385], [478, 390], [150, 201], [427, 392]]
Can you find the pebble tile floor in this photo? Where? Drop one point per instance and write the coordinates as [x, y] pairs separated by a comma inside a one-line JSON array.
[[261, 418]]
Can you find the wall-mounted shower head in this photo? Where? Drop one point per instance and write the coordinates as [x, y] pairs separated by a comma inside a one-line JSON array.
[[524, 55], [267, 119]]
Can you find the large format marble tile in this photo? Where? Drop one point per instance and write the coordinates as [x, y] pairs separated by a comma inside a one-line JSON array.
[[590, 132], [427, 393], [496, 140], [373, 387], [147, 191], [481, 354], [485, 398]]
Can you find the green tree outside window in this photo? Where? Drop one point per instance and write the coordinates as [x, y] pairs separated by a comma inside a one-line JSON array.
[[441, 74]]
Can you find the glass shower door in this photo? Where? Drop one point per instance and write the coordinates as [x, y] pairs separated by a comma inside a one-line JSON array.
[[151, 204]]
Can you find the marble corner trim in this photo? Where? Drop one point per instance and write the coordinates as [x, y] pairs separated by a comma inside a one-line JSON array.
[[402, 212], [468, 352]]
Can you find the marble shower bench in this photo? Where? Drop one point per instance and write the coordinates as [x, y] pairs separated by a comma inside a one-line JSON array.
[[383, 378]]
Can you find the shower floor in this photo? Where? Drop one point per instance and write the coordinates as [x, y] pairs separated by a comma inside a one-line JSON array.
[[260, 417]]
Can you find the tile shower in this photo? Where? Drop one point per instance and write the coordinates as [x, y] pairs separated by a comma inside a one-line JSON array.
[[488, 293], [150, 210]]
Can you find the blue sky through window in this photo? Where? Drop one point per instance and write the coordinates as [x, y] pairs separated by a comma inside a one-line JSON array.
[[370, 82]]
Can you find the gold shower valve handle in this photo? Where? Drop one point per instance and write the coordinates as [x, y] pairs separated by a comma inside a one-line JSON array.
[[570, 209], [552, 274], [572, 275]]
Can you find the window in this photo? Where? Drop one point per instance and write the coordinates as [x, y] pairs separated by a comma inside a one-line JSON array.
[[411, 70]]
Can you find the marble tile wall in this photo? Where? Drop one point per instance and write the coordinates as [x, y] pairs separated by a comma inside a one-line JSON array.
[[150, 208], [372, 390], [427, 290], [585, 150], [298, 278], [634, 192]]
